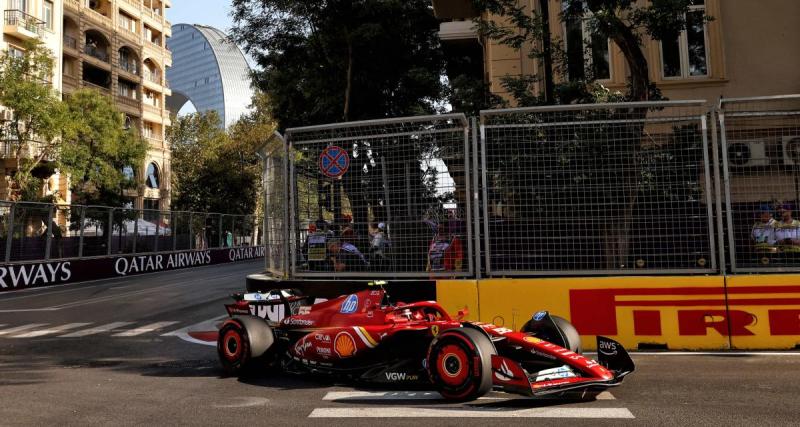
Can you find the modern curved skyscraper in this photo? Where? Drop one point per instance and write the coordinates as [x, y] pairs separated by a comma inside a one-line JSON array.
[[208, 70]]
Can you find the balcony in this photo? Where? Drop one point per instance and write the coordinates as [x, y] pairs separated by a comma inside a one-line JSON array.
[[21, 25], [130, 67], [152, 76], [70, 43], [96, 52], [128, 101], [103, 90], [70, 82], [152, 109], [98, 18], [458, 31]]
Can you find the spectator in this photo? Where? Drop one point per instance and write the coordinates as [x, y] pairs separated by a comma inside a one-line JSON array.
[[763, 232], [445, 252], [316, 248], [378, 245], [228, 239], [787, 230], [345, 256]]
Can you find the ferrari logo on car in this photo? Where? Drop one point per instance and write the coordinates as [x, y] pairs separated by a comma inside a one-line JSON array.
[[344, 345], [435, 330]]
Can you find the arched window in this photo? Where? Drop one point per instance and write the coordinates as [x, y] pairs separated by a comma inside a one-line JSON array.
[[153, 178]]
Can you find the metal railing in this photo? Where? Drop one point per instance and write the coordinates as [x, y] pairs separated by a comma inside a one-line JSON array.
[[40, 232], [151, 76], [129, 66], [96, 52], [760, 144], [601, 188], [672, 187], [70, 42], [22, 19], [389, 196]]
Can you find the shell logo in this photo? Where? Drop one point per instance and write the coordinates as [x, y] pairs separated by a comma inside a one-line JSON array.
[[344, 345]]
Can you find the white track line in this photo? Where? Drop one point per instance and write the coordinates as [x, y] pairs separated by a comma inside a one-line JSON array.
[[144, 329], [424, 395], [52, 330], [96, 330], [412, 412], [21, 328]]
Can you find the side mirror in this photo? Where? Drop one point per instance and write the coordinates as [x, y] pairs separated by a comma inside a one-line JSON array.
[[464, 312]]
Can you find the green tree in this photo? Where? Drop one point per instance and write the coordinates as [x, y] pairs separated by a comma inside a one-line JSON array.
[[37, 118], [211, 172], [326, 61], [616, 186], [97, 148]]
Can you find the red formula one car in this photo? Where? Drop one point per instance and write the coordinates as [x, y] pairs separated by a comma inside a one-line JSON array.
[[365, 337]]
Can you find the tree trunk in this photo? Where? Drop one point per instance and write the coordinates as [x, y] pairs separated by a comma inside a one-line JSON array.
[[349, 85]]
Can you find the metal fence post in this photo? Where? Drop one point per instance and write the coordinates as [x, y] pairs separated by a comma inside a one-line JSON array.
[[135, 229], [727, 186], [10, 236], [50, 231], [220, 236], [485, 182], [174, 231], [718, 191], [476, 200], [110, 229], [467, 201], [191, 230], [80, 238], [158, 229]]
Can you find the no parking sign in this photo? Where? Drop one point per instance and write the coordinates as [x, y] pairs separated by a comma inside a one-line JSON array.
[[334, 161]]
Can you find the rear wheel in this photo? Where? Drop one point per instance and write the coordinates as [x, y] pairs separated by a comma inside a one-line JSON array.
[[460, 364], [233, 347]]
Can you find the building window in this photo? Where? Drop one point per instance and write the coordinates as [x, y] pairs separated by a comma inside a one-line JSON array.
[[127, 22], [21, 5], [151, 210], [47, 14], [687, 55], [152, 180], [128, 173], [15, 52], [147, 130], [587, 52]]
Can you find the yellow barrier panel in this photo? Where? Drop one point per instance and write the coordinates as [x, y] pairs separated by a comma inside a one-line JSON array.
[[455, 295], [679, 312], [768, 307]]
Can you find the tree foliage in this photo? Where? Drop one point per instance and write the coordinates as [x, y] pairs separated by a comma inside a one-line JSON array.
[[326, 61], [96, 149], [625, 22], [213, 171], [38, 116]]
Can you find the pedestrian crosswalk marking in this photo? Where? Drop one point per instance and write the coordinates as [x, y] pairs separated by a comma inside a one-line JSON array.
[[21, 328], [51, 330], [470, 412], [144, 329], [96, 330]]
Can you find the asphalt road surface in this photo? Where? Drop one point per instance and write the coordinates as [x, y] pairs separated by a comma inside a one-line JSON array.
[[111, 352]]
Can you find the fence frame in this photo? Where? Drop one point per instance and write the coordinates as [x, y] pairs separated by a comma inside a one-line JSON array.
[[702, 121], [51, 217], [721, 114], [469, 256]]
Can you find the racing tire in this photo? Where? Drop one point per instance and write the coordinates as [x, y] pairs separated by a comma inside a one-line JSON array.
[[571, 336], [241, 341], [460, 364]]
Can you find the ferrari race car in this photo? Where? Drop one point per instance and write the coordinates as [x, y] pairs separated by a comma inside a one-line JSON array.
[[365, 337]]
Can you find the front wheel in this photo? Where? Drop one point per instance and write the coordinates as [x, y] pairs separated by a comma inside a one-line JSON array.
[[460, 364]]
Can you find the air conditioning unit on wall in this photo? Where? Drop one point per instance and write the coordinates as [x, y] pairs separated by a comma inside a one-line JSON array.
[[791, 150], [747, 153]]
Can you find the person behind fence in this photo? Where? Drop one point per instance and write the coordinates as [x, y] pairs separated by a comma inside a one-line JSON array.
[[345, 256], [378, 245], [763, 232], [787, 230], [445, 251], [316, 248]]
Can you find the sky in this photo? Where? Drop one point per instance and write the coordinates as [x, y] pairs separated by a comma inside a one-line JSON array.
[[215, 13]]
